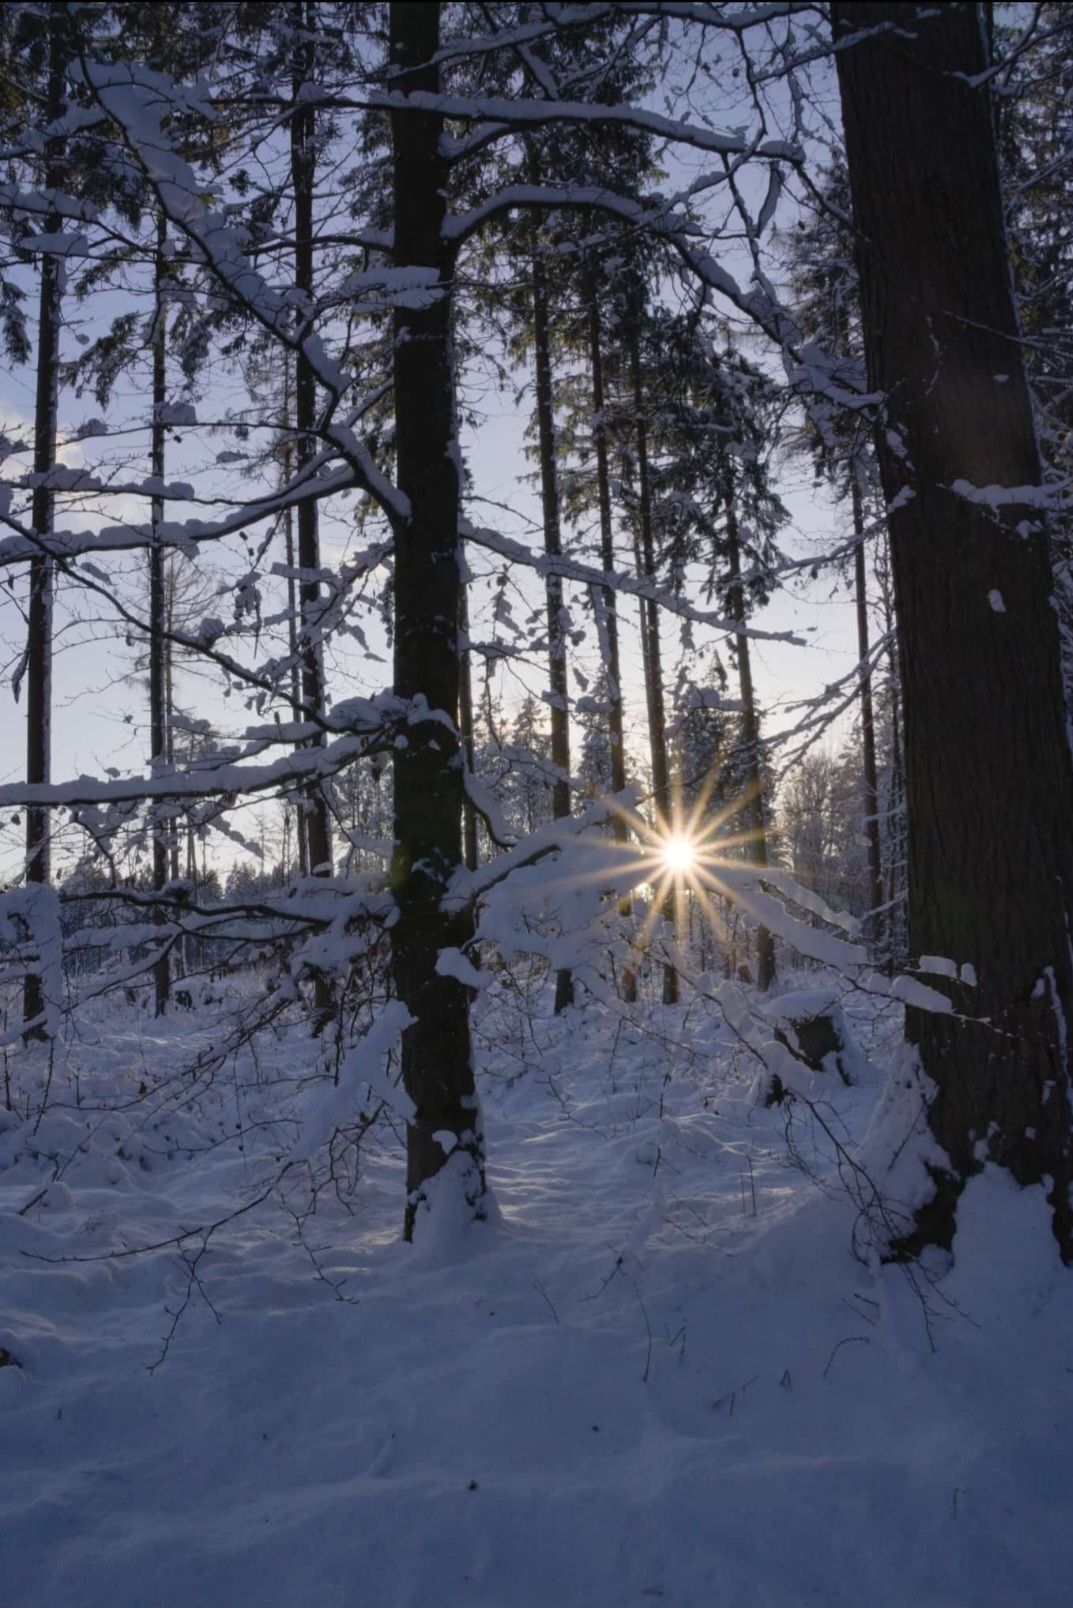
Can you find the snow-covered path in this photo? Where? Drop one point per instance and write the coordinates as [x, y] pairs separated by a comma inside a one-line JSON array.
[[647, 1384]]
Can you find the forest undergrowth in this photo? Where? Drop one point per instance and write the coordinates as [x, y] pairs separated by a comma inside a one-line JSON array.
[[658, 1372]]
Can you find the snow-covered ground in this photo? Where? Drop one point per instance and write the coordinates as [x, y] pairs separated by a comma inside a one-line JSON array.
[[661, 1377]]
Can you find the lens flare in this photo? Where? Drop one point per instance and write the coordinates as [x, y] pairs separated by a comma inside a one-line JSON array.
[[679, 855]]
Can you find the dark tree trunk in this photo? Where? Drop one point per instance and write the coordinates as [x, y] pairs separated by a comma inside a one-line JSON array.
[[301, 836], [39, 636], [609, 602], [989, 774], [437, 1065], [158, 689], [892, 838], [174, 844], [868, 723], [653, 664], [553, 546], [753, 813], [318, 829], [301, 839], [897, 941], [465, 726], [607, 559]]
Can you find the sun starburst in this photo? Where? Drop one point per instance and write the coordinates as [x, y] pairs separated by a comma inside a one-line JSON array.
[[679, 854], [688, 856], [690, 853]]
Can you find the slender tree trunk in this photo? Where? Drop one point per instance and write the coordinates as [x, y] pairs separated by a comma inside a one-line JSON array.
[[607, 558], [989, 773], [895, 953], [653, 665], [753, 813], [182, 952], [868, 724], [158, 691], [615, 722], [553, 546], [39, 639], [465, 725], [897, 940], [318, 829], [301, 839], [174, 848], [437, 1064]]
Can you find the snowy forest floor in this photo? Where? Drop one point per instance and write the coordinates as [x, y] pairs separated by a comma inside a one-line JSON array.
[[661, 1377]]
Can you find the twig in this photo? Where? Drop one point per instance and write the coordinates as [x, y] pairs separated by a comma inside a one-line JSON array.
[[850, 1339]]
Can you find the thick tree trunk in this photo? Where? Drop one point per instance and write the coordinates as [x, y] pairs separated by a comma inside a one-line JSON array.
[[39, 636], [653, 664], [615, 722], [753, 813], [868, 723], [989, 774], [553, 546], [318, 828], [437, 1065]]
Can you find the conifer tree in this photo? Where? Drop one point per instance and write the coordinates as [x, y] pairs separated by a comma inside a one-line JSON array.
[[990, 800], [55, 49]]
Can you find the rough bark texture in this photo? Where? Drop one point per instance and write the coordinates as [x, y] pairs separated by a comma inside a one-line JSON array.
[[553, 546], [988, 770], [39, 633], [868, 723], [158, 689], [753, 810], [437, 1064]]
